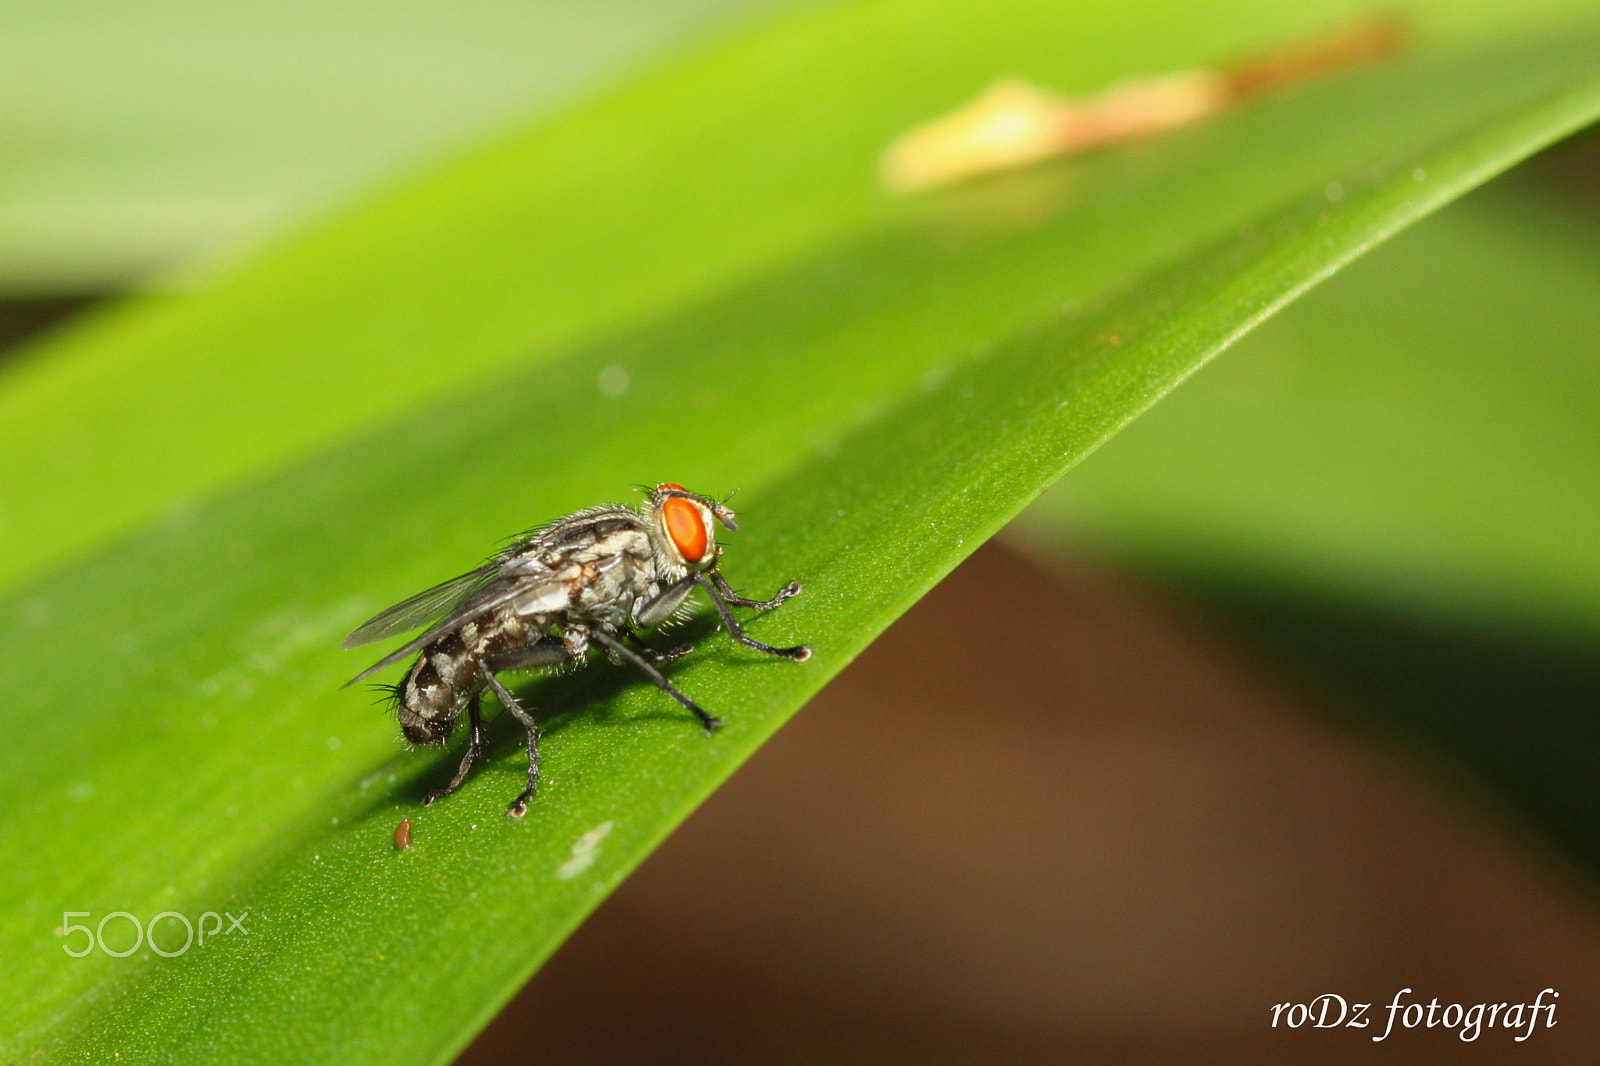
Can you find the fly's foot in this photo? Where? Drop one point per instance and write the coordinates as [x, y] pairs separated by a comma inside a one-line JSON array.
[[434, 794], [667, 656], [711, 723], [782, 596], [519, 806], [788, 592]]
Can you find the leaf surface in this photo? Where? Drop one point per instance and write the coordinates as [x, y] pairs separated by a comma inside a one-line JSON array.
[[208, 492], [1393, 485], [142, 137]]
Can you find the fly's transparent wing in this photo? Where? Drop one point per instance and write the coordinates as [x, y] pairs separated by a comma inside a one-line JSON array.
[[497, 589], [422, 608]]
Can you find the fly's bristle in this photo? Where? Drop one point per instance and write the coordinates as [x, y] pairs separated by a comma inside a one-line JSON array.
[[678, 618], [389, 694], [511, 545]]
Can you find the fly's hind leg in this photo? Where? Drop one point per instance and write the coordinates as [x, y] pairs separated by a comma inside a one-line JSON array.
[[529, 657], [474, 753], [618, 651], [519, 806]]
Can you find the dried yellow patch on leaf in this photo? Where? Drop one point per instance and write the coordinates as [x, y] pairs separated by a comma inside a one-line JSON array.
[[1013, 123]]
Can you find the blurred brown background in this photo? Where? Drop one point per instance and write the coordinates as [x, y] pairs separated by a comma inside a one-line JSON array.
[[1056, 816]]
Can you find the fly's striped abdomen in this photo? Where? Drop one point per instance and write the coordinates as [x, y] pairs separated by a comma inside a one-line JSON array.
[[449, 672], [439, 684]]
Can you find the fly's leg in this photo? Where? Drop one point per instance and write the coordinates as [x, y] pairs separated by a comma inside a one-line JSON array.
[[653, 613], [789, 591], [799, 653], [474, 753], [662, 656], [519, 806], [617, 650], [529, 657]]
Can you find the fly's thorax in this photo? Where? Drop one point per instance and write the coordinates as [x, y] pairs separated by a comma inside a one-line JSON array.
[[608, 593], [577, 565]]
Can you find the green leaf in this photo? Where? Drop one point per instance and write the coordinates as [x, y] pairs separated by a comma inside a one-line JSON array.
[[203, 494], [140, 136], [1394, 485]]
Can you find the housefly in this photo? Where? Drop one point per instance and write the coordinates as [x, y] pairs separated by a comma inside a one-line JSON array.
[[597, 577]]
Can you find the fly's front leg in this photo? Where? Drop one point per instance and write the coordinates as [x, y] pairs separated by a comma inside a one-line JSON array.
[[474, 753], [650, 613], [519, 806], [789, 591], [618, 651], [799, 653], [647, 614]]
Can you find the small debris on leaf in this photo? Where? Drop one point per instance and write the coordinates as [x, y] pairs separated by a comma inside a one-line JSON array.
[[1013, 124]]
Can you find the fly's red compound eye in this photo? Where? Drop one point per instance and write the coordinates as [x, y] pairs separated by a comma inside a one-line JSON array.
[[670, 485], [685, 527]]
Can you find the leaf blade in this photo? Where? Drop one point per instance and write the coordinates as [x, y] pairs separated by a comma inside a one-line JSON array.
[[870, 469]]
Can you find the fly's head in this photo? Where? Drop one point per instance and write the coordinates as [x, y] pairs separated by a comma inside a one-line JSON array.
[[683, 527]]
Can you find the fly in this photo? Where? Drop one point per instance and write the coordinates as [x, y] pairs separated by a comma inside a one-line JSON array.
[[598, 577]]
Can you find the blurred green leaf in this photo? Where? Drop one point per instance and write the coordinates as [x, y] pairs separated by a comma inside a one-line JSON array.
[[1395, 484], [137, 136], [754, 155], [205, 493]]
